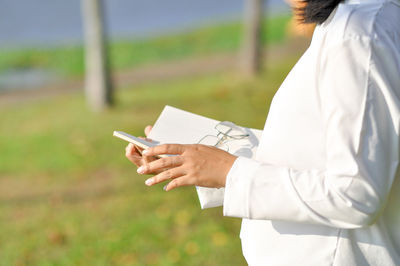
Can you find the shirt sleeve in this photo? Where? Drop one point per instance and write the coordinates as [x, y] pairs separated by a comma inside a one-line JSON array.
[[359, 95]]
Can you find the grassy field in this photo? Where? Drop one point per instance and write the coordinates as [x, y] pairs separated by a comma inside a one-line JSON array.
[[68, 61], [69, 197]]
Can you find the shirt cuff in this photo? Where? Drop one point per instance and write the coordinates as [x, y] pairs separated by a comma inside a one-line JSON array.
[[237, 186]]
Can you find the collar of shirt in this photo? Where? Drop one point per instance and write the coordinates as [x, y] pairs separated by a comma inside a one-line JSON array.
[[357, 2]]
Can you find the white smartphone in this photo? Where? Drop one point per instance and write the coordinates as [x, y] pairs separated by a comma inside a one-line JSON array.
[[144, 144]]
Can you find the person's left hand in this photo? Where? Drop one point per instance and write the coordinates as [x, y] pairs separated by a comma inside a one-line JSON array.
[[195, 164]]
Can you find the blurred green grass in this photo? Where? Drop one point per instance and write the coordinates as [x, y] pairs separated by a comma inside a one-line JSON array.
[[68, 196], [68, 61]]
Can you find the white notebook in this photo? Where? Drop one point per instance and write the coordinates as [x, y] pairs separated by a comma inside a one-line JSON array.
[[178, 126]]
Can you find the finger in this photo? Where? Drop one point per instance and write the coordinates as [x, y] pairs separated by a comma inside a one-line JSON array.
[[135, 160], [138, 149], [165, 175], [132, 150], [128, 149], [163, 163], [147, 130], [133, 155], [165, 149], [148, 159], [178, 182]]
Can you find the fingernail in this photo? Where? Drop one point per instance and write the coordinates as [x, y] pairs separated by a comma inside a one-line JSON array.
[[144, 152], [165, 188], [149, 181], [140, 170]]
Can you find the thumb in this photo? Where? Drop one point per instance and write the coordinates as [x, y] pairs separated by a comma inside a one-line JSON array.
[[147, 130]]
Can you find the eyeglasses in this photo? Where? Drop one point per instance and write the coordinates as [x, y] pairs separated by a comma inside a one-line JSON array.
[[226, 131]]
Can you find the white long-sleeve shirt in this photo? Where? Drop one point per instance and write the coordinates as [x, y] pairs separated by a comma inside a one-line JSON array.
[[325, 186]]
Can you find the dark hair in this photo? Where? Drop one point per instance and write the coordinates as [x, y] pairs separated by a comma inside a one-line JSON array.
[[316, 11]]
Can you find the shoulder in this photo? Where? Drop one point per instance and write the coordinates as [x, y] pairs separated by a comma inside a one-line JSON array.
[[371, 20], [360, 47]]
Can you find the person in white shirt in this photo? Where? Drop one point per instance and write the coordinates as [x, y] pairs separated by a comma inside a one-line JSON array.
[[324, 188]]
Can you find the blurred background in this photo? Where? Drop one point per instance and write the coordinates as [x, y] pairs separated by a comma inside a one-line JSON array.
[[73, 71]]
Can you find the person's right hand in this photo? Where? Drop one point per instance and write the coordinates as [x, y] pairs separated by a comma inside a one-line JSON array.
[[134, 153]]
